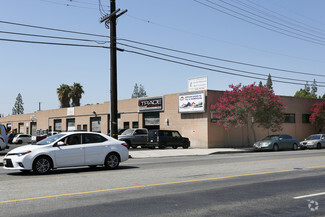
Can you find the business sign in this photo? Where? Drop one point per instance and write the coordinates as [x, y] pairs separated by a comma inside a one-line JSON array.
[[151, 104], [198, 84], [191, 102]]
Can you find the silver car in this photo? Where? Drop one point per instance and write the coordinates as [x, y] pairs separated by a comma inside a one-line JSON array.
[[277, 142], [313, 141]]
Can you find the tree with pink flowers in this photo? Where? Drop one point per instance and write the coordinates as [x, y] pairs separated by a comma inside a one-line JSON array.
[[248, 106], [318, 115]]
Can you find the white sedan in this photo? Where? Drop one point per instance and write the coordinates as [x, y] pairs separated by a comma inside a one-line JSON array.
[[68, 150]]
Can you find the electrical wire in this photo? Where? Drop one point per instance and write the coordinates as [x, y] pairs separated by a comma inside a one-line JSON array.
[[259, 25], [54, 37], [209, 69], [212, 65], [155, 46], [52, 29], [52, 43], [275, 22], [224, 60]]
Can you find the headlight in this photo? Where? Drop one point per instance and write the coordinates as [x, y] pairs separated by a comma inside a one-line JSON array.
[[23, 153], [264, 144]]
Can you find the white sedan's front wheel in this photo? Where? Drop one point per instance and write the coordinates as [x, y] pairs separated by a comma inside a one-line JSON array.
[[42, 165]]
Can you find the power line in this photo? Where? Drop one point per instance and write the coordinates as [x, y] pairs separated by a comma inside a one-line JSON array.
[[224, 60], [155, 46], [212, 65], [54, 37], [52, 29], [67, 4], [209, 69], [304, 38], [270, 20], [52, 43]]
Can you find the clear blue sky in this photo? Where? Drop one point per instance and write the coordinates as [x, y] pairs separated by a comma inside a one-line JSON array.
[[36, 71]]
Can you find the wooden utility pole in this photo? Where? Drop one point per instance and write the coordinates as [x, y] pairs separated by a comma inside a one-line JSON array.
[[111, 18]]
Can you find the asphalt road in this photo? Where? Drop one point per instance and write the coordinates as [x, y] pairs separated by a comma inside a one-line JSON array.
[[286, 183]]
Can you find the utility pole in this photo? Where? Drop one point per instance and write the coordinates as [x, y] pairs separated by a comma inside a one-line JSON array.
[[111, 18], [39, 106], [112, 24]]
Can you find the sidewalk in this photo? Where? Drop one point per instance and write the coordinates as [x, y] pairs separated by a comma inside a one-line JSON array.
[[153, 153]]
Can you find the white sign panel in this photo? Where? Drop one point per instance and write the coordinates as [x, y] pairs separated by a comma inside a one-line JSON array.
[[197, 84], [70, 111], [191, 103]]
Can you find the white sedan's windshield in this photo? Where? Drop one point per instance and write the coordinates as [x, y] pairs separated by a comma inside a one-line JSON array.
[[50, 139]]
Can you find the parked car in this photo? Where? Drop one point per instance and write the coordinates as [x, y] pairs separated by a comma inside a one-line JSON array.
[[11, 136], [22, 138], [3, 138], [313, 141], [134, 137], [277, 142], [67, 150], [167, 138]]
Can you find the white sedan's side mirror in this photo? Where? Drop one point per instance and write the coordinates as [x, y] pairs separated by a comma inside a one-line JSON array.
[[60, 143]]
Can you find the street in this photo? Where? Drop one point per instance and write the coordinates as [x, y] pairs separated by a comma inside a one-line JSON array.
[[285, 183]]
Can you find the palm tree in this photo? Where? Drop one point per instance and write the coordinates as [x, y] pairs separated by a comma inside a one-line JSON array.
[[64, 95], [76, 94]]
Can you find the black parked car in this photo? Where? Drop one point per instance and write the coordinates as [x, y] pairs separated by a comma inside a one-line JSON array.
[[11, 137], [167, 138]]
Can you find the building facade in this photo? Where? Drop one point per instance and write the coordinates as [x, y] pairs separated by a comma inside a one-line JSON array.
[[189, 113]]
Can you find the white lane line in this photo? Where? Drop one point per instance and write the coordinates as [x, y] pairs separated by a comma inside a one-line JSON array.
[[309, 195]]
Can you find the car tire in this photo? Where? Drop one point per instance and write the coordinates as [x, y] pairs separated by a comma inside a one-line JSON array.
[[20, 142], [112, 161], [42, 165], [175, 146], [275, 147], [294, 147], [134, 146], [186, 145], [162, 146], [319, 146]]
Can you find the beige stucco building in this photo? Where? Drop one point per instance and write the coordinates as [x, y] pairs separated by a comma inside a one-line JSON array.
[[189, 113]]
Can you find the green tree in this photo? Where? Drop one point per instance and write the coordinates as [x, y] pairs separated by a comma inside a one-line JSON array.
[[138, 92], [64, 95], [18, 106], [269, 82], [76, 94], [250, 105], [314, 87], [260, 84]]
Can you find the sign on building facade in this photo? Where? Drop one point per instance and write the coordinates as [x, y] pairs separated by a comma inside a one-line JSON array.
[[198, 84], [150, 104], [191, 102]]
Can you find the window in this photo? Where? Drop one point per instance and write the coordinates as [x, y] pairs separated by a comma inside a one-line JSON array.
[[135, 124], [92, 138], [57, 125], [126, 125], [74, 139], [84, 127], [78, 127], [305, 118], [176, 134], [289, 118], [95, 124], [141, 132]]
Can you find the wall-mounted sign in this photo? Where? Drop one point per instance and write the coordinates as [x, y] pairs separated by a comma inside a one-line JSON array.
[[151, 104], [70, 111], [191, 102], [198, 84]]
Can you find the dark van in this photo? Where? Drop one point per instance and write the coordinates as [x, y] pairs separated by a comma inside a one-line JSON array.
[[167, 138]]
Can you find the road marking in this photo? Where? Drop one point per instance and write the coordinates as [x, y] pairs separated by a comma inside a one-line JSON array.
[[321, 166], [143, 186], [309, 195]]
